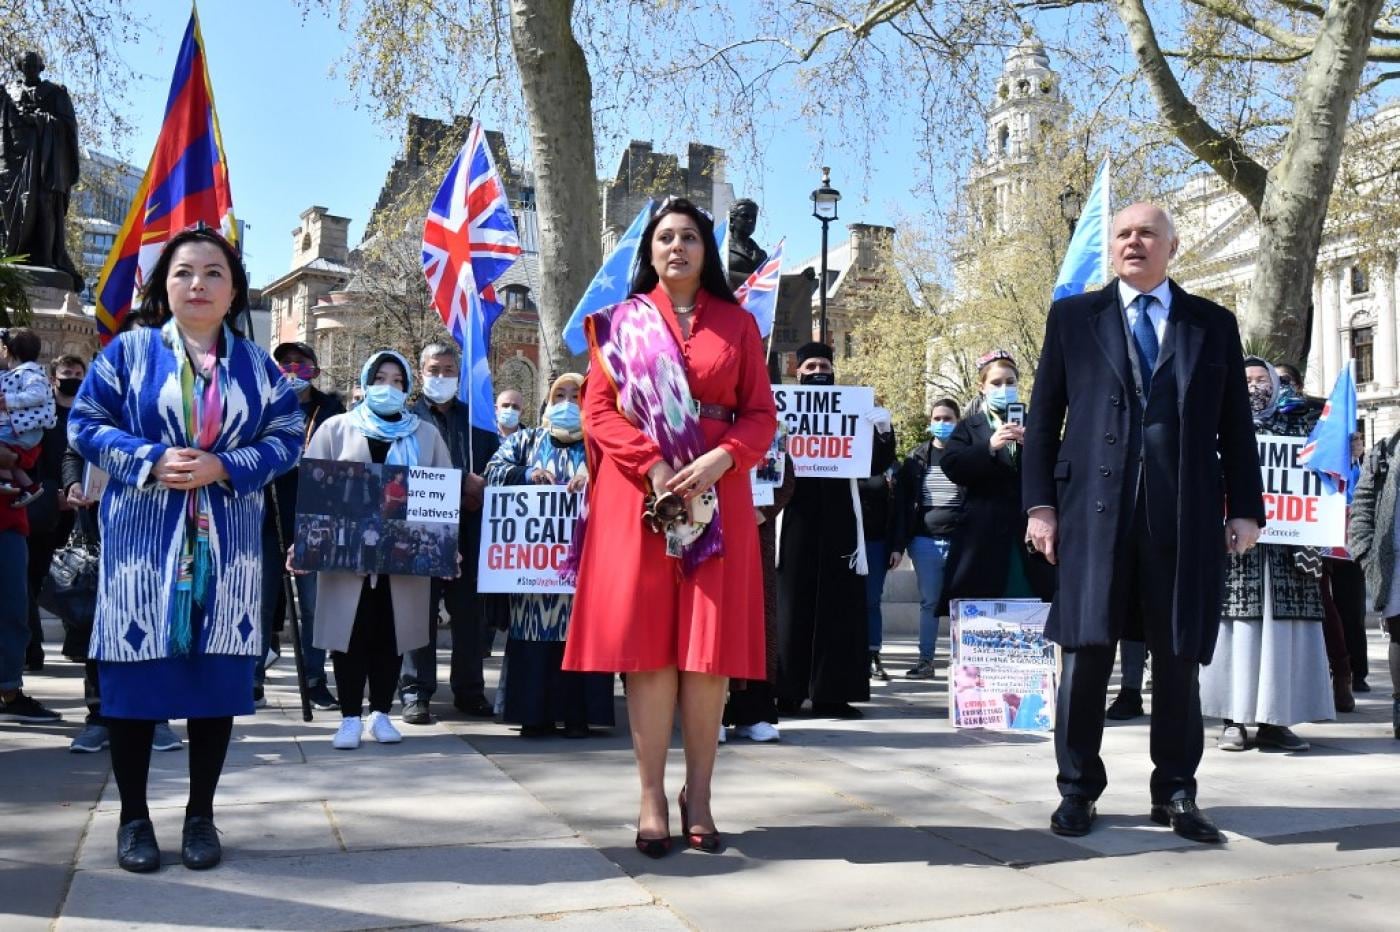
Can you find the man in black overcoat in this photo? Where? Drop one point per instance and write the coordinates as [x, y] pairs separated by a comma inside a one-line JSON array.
[[1156, 477]]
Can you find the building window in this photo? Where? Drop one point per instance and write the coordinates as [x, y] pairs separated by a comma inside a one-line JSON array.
[[1003, 140], [1362, 350], [1359, 284]]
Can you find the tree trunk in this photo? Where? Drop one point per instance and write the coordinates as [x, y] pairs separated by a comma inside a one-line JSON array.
[[1300, 185], [559, 101]]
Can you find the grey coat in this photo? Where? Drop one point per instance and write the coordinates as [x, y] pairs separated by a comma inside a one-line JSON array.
[[338, 594], [1371, 531]]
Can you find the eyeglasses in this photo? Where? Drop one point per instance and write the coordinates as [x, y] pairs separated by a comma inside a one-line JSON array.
[[672, 198]]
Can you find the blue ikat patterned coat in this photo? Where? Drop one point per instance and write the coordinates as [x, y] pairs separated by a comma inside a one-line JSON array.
[[127, 414]]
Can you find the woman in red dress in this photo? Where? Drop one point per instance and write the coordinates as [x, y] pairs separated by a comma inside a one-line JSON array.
[[678, 626]]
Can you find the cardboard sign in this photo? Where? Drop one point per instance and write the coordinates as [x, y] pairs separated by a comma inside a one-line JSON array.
[[768, 474], [1298, 509], [372, 518], [827, 437], [1003, 674], [526, 531]]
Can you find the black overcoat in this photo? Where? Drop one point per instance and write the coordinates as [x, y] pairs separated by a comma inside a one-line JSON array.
[[1197, 459], [994, 523]]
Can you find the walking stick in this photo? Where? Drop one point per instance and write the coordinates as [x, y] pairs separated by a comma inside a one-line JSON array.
[[293, 609]]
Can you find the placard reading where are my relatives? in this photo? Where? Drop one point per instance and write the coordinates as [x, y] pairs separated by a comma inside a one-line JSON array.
[[372, 518], [827, 436], [1298, 509], [526, 531]]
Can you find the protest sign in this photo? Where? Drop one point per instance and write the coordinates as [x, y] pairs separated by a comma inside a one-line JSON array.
[[1298, 508], [768, 474], [525, 535], [376, 518], [1002, 672], [826, 435]]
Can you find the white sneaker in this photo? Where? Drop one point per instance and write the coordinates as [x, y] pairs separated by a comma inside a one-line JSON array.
[[723, 734], [382, 729], [762, 731], [347, 738]]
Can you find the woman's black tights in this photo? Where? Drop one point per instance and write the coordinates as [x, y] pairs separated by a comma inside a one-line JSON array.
[[131, 762]]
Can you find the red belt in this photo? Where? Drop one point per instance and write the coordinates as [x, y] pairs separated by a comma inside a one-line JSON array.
[[715, 412]]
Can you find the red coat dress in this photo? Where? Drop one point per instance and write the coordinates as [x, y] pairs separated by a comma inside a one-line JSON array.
[[633, 609]]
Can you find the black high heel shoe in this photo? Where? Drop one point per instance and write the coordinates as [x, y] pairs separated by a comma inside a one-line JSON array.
[[708, 842], [655, 848]]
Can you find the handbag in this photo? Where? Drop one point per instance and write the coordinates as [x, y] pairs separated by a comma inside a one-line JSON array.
[[70, 591]]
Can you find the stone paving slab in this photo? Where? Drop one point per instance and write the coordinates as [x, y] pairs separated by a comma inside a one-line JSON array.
[[355, 890], [631, 919]]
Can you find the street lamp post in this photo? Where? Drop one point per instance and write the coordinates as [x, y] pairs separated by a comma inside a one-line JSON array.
[[824, 201], [1071, 206]]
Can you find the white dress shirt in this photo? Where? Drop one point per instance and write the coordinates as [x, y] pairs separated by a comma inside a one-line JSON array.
[[1157, 310]]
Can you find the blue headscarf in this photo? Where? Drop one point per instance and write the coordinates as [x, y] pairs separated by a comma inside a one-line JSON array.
[[401, 434]]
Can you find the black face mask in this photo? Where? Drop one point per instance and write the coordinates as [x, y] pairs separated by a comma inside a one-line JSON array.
[[69, 387], [817, 378]]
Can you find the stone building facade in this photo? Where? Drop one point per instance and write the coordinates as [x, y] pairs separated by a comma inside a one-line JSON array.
[[645, 173]]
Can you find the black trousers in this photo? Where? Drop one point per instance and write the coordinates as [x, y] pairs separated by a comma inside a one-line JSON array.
[[1143, 583], [1349, 594]]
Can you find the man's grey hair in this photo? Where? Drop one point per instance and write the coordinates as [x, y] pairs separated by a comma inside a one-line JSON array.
[[439, 348]]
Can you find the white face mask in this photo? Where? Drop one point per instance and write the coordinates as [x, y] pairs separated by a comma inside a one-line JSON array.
[[439, 388]]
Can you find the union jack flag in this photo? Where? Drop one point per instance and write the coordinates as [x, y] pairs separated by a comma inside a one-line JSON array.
[[469, 240], [759, 293]]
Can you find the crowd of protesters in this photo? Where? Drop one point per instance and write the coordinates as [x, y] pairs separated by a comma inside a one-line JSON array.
[[173, 457]]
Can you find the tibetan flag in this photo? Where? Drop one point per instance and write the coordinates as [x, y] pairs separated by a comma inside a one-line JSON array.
[[186, 185], [1328, 450]]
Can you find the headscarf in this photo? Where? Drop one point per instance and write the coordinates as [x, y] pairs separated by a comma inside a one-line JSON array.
[[558, 434], [401, 434], [1261, 415]]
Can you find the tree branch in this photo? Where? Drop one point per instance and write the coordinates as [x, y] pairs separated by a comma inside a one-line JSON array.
[[1222, 153]]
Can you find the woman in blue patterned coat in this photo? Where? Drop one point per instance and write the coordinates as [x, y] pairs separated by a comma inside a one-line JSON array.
[[191, 421], [538, 694]]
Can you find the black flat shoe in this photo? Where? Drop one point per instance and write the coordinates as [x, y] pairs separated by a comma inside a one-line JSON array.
[[137, 850], [1126, 707], [476, 708], [576, 731], [836, 710], [708, 842], [199, 847], [1074, 817], [1187, 821]]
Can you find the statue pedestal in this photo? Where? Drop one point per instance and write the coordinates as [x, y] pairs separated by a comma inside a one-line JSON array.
[[58, 316]]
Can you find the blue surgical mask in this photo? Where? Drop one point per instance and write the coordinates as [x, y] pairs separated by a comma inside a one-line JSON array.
[[509, 418], [1000, 396], [941, 430], [298, 385], [564, 415], [385, 400]]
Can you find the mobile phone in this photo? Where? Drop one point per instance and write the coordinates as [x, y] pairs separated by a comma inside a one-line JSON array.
[[1016, 414]]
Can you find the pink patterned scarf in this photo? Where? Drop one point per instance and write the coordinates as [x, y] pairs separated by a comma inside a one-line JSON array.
[[636, 351]]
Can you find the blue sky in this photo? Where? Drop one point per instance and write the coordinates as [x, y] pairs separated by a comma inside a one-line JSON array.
[[296, 136]]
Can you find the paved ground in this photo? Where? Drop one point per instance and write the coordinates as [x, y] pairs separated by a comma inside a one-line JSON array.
[[892, 820]]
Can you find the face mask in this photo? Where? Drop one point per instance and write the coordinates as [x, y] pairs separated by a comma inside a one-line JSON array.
[[1289, 400], [69, 387], [298, 385], [817, 378], [1000, 396], [941, 430], [564, 415], [1259, 397], [385, 399], [439, 388], [508, 418]]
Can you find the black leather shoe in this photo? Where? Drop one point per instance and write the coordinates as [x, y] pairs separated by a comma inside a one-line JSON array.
[[137, 850], [200, 848], [416, 713], [1074, 817], [1187, 821], [1127, 706], [476, 708]]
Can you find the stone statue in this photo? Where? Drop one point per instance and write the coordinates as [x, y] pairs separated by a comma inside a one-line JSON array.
[[39, 145], [745, 256]]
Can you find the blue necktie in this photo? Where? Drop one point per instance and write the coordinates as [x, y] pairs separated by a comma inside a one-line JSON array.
[[1145, 336]]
